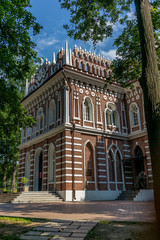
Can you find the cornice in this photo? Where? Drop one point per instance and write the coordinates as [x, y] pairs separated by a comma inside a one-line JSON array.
[[42, 137], [137, 134]]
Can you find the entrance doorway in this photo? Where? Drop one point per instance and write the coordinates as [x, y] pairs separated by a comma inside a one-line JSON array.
[[138, 161], [38, 170]]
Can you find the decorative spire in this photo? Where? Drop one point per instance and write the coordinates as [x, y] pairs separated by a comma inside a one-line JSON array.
[[66, 55], [54, 60], [70, 57]]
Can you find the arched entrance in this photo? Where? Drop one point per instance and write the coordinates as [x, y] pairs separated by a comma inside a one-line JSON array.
[[115, 174], [138, 161], [89, 167], [38, 170], [51, 167]]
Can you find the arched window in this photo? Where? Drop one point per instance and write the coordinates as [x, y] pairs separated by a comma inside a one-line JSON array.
[[81, 65], [40, 119], [51, 163], [134, 115], [52, 112], [87, 110], [115, 173], [112, 116]]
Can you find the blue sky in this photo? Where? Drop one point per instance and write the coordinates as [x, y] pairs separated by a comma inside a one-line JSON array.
[[53, 36]]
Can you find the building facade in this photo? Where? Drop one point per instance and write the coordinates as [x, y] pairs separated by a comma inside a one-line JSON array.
[[90, 141]]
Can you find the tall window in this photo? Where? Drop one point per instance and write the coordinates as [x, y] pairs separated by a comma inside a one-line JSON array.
[[112, 116], [52, 112], [40, 119], [134, 115], [87, 110]]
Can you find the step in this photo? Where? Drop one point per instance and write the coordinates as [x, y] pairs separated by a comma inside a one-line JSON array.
[[37, 197]]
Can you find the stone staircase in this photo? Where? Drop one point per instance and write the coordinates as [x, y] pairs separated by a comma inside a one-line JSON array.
[[127, 195], [37, 197], [8, 197]]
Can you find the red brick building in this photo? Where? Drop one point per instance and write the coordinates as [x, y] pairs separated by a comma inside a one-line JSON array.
[[90, 141]]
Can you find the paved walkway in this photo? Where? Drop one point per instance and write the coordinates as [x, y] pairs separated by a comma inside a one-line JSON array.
[[92, 211], [60, 230]]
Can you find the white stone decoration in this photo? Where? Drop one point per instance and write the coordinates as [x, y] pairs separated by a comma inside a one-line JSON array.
[[81, 90], [110, 99], [128, 101], [116, 100], [86, 92], [43, 101], [105, 97], [137, 97], [49, 98], [56, 93], [92, 94], [132, 99]]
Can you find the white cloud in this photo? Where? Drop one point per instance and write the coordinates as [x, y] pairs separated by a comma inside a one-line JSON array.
[[111, 54], [43, 42]]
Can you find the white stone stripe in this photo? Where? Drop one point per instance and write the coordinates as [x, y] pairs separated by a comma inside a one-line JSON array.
[[65, 149], [149, 163], [64, 162], [102, 182], [125, 150], [129, 182], [102, 176], [150, 175], [67, 155], [148, 158], [101, 170], [61, 144], [77, 138], [46, 144], [149, 169], [77, 156], [68, 162], [45, 150], [101, 159], [101, 164], [147, 152], [69, 175], [63, 138], [146, 146], [100, 147], [127, 166], [146, 141], [67, 181], [128, 177], [126, 145], [127, 155], [100, 141], [101, 153], [151, 181]]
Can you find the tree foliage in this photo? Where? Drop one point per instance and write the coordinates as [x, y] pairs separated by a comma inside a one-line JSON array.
[[17, 56]]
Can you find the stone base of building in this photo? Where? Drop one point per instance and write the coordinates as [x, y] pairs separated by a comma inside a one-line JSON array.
[[88, 195], [145, 195]]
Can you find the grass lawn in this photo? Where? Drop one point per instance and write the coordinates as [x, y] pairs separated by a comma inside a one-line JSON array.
[[12, 227], [105, 230]]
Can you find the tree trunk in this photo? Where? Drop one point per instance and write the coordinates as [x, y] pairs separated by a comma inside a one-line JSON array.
[[5, 179], [150, 83], [13, 184]]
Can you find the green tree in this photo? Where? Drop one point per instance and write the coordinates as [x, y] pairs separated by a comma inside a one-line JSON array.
[[94, 20], [16, 57]]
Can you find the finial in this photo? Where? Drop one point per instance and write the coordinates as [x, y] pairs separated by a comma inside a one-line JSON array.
[[41, 61]]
